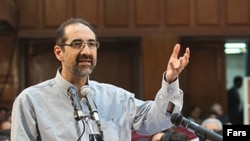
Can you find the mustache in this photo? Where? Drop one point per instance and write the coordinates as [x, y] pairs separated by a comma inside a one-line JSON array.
[[85, 57]]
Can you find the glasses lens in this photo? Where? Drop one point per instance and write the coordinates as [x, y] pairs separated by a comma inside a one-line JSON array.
[[76, 44], [91, 44], [80, 44]]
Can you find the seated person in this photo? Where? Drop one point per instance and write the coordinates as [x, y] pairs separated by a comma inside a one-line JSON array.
[[212, 124], [169, 135], [5, 125], [5, 130], [217, 109]]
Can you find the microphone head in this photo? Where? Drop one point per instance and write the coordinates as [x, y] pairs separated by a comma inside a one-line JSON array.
[[72, 91], [86, 89], [176, 118]]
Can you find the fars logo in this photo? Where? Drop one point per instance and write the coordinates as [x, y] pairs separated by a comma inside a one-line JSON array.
[[236, 132], [232, 132]]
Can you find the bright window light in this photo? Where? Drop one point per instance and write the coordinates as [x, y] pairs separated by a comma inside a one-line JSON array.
[[235, 48]]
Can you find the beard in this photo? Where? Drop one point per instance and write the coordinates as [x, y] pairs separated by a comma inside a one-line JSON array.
[[82, 70]]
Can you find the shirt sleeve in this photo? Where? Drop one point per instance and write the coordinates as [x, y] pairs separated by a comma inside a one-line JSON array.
[[23, 127], [153, 116]]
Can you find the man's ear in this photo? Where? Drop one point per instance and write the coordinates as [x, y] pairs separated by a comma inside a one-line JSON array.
[[58, 52]]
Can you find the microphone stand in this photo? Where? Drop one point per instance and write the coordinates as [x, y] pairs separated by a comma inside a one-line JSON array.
[[96, 137], [86, 92], [100, 131], [98, 123], [92, 136], [78, 114]]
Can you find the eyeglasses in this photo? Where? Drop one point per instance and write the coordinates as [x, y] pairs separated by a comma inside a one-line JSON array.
[[81, 44]]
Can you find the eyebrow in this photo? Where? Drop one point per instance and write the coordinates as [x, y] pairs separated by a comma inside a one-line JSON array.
[[82, 40], [75, 40]]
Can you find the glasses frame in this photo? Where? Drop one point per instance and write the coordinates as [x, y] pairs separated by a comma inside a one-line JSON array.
[[83, 44]]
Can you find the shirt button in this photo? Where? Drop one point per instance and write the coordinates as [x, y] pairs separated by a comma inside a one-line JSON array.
[[170, 90]]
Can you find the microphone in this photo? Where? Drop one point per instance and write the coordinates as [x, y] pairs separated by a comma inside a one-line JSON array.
[[200, 131], [72, 92], [86, 92]]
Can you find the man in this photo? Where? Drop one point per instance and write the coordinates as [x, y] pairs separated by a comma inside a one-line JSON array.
[[170, 134], [3, 113], [50, 111], [217, 109], [212, 124], [235, 109]]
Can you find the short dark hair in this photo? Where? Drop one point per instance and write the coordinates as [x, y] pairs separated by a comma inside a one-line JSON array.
[[238, 81], [174, 136], [60, 32]]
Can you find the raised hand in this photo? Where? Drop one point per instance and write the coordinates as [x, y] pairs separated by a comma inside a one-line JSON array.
[[175, 64]]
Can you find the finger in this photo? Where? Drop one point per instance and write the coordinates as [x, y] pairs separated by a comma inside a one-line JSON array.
[[183, 62], [187, 53], [176, 51], [185, 58]]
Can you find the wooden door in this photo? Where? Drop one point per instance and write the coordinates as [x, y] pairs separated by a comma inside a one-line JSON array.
[[9, 77], [203, 81]]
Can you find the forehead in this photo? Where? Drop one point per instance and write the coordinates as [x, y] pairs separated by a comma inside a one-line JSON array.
[[157, 136], [79, 31]]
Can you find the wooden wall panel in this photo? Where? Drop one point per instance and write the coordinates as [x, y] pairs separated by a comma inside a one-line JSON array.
[[55, 12], [8, 13], [201, 82], [116, 12], [207, 12], [119, 63], [177, 12], [157, 49], [38, 54], [147, 12], [88, 9], [126, 17], [9, 82], [28, 13], [237, 12]]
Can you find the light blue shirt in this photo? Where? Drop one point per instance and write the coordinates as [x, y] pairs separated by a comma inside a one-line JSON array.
[[44, 112]]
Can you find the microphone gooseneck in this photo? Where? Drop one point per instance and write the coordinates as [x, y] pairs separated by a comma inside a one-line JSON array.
[[72, 92], [86, 92], [200, 131]]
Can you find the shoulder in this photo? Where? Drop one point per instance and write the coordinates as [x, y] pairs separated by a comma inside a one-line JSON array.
[[106, 86], [36, 89], [109, 88]]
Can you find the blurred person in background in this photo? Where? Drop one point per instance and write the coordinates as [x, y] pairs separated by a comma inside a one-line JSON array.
[[3, 113], [212, 124], [195, 114], [217, 109], [235, 108], [169, 135]]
